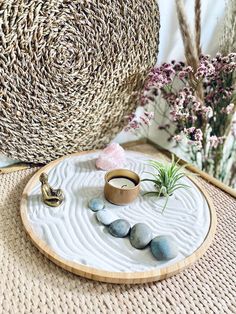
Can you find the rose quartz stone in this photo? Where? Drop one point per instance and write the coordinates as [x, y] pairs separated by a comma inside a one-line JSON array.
[[112, 157]]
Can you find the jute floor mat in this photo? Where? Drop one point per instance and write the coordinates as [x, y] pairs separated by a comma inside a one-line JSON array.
[[29, 283]]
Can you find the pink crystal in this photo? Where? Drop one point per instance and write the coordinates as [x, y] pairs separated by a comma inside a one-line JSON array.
[[112, 157]]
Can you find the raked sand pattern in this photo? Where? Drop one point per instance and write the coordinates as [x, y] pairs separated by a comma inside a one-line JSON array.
[[73, 232]]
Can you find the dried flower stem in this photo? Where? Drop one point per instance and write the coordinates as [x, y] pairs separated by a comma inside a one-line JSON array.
[[198, 27]]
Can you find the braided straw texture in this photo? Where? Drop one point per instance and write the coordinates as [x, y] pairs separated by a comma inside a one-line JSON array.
[[71, 72], [29, 283]]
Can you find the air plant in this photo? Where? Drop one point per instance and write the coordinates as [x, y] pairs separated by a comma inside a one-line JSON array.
[[166, 178]]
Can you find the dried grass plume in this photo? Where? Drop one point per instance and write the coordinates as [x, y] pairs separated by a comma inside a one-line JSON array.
[[190, 50], [197, 9], [228, 37]]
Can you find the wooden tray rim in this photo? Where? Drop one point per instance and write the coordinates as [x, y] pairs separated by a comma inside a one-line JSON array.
[[107, 276]]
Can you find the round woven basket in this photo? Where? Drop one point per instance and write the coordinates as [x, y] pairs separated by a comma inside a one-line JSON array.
[[71, 72]]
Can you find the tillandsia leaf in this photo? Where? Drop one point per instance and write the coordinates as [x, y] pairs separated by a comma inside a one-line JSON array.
[[155, 162], [164, 207], [166, 178], [176, 178], [151, 180], [163, 190], [157, 167], [152, 174], [155, 175], [180, 185], [184, 186], [172, 170], [160, 192], [151, 192]]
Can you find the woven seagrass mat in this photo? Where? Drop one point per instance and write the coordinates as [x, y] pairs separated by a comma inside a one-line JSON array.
[[71, 72], [30, 283]]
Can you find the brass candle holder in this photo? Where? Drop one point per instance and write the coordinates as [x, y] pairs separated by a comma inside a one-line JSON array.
[[122, 186]]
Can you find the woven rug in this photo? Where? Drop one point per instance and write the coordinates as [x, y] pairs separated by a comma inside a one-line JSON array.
[[71, 72], [29, 283]]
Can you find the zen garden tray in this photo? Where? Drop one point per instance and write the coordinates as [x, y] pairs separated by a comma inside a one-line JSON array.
[[71, 236]]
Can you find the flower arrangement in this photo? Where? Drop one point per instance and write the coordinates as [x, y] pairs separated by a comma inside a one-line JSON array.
[[199, 102], [166, 179]]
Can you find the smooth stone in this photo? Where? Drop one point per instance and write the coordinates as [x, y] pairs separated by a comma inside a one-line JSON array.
[[140, 235], [164, 248], [105, 217], [96, 204], [119, 228]]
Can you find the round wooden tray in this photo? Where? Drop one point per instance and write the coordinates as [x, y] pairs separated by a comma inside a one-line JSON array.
[[112, 276]]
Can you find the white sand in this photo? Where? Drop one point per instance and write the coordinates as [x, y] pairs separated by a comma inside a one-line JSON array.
[[73, 232]]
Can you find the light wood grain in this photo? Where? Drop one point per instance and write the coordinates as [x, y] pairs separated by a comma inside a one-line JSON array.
[[15, 167], [105, 276]]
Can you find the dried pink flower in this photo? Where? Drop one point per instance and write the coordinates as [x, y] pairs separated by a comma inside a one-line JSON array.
[[189, 130], [177, 138], [202, 121], [229, 109], [198, 135], [215, 141]]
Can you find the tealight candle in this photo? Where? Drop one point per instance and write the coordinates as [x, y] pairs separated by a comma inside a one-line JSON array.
[[122, 186], [122, 182]]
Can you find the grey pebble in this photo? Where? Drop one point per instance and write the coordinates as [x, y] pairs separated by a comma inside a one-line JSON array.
[[119, 228], [140, 235], [96, 204], [164, 248]]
